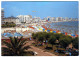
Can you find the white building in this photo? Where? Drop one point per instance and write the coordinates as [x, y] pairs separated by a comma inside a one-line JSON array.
[[2, 15], [36, 19], [52, 19], [10, 19], [66, 18], [18, 21], [25, 18], [59, 19], [46, 18]]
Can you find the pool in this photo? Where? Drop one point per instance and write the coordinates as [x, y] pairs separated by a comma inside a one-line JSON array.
[[11, 35], [17, 34]]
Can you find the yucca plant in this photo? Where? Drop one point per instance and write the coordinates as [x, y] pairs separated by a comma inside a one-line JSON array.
[[16, 47]]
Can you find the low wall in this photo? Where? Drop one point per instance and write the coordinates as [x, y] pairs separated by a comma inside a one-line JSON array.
[[17, 29]]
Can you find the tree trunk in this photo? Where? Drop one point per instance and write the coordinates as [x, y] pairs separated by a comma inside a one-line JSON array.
[[46, 44], [36, 42], [52, 46]]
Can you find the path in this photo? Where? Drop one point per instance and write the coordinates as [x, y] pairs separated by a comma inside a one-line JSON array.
[[39, 51]]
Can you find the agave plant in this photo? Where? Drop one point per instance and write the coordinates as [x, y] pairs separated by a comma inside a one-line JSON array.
[[16, 47]]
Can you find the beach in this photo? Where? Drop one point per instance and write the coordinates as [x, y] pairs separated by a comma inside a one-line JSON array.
[[58, 27]]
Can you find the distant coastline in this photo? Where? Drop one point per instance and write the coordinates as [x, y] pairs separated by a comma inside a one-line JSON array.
[[59, 21]]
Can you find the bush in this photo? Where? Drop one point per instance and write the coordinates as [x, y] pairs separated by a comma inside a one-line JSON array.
[[9, 24], [75, 43], [65, 41], [52, 40]]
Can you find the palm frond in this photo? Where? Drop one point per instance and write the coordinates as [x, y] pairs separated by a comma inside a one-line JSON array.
[[21, 43], [16, 41], [20, 39], [7, 44], [5, 54], [5, 49], [25, 48], [12, 41]]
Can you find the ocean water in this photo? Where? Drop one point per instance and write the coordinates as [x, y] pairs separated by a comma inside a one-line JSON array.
[[71, 27]]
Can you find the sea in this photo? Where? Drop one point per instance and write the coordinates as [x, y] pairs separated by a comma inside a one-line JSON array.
[[71, 27]]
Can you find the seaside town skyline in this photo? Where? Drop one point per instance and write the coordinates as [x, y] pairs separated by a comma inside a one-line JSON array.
[[41, 9], [28, 19]]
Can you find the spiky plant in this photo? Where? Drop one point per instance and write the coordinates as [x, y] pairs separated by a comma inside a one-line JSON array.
[[16, 47]]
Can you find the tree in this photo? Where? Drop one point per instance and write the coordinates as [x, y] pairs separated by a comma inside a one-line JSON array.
[[75, 43], [40, 38], [64, 42], [16, 47], [9, 24], [35, 36], [52, 40], [6, 23], [57, 36]]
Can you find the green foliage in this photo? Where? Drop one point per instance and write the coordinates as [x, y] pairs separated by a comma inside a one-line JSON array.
[[16, 47], [52, 40], [65, 41], [40, 38], [75, 43], [9, 24], [35, 35], [57, 36]]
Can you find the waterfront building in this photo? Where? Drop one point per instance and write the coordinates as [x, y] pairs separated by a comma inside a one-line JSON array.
[[36, 19], [2, 16], [10, 19], [66, 18], [2, 13], [59, 19], [70, 19], [25, 18], [18, 21], [52, 19], [48, 18], [56, 18], [44, 18], [76, 19]]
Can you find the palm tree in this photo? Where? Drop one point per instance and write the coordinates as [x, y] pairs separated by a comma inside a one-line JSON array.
[[16, 47]]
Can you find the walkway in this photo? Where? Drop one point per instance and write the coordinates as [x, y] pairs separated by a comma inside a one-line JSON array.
[[39, 51]]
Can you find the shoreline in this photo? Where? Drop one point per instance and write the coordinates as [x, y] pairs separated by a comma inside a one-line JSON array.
[[60, 21]]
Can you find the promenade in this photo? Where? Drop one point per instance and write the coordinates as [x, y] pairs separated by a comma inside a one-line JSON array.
[[40, 52]]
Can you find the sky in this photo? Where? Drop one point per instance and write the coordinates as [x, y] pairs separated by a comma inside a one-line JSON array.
[[41, 9]]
